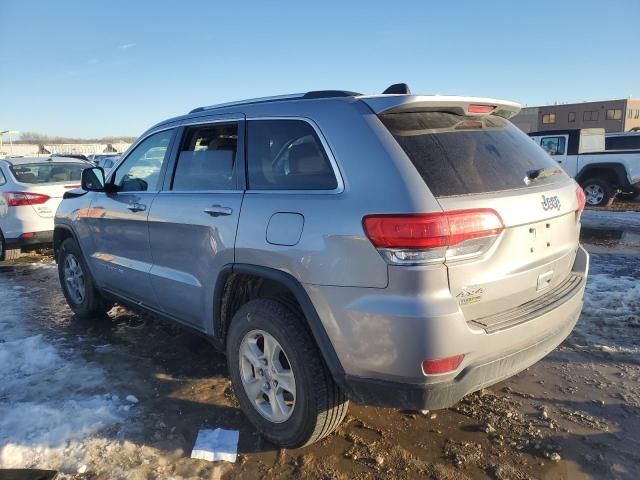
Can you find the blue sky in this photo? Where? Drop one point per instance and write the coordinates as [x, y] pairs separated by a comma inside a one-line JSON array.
[[96, 68]]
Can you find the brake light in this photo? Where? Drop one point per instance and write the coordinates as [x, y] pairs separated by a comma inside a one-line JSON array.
[[480, 108], [72, 186], [21, 199], [441, 365], [581, 199], [427, 237]]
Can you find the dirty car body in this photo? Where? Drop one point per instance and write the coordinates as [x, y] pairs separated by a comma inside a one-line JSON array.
[[426, 245]]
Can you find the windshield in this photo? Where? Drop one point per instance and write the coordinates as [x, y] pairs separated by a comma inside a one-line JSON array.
[[459, 155], [39, 173]]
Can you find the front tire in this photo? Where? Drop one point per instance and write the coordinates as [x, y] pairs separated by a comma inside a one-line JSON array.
[[77, 283], [597, 192], [279, 377]]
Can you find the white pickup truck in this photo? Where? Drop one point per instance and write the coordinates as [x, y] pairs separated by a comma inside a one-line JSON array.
[[582, 154]]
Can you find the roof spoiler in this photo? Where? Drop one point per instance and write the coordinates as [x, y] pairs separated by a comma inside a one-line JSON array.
[[396, 103]]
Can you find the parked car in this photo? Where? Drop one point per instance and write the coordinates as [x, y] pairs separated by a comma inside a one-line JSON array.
[[104, 160], [77, 156], [600, 171], [396, 250], [30, 191]]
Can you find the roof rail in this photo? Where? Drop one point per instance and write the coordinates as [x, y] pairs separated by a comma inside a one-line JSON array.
[[330, 94], [278, 98]]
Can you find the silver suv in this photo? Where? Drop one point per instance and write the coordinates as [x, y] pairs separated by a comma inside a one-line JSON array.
[[395, 250]]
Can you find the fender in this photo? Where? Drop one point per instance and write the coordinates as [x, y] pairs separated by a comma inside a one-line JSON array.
[[308, 309], [56, 243], [56, 238], [617, 168]]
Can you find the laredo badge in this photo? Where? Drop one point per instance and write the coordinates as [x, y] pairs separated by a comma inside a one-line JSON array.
[[470, 295]]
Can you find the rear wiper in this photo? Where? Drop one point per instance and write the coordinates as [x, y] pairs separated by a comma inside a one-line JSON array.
[[533, 175]]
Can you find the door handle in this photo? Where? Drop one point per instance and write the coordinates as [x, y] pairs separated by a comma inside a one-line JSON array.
[[218, 210], [137, 207]]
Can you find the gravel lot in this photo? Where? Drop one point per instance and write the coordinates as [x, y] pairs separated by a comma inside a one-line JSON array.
[[67, 385]]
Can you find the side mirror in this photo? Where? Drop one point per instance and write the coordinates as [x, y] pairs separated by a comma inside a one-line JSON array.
[[93, 179]]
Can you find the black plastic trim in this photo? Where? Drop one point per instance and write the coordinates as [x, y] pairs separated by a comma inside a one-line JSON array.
[[617, 168], [329, 94], [315, 324], [38, 239]]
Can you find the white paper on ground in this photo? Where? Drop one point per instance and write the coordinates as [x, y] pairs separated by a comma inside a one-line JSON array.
[[216, 444]]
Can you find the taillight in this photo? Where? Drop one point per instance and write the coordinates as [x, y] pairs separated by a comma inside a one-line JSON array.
[[21, 199], [441, 365], [480, 108], [429, 237], [581, 199]]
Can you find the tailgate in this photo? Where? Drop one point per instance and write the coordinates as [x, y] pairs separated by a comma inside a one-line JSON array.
[[532, 255], [477, 166]]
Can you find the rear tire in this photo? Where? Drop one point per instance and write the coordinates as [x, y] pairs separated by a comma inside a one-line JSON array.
[[597, 192], [8, 254], [317, 405], [77, 283]]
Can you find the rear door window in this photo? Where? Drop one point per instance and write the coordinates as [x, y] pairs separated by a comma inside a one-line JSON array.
[[39, 173], [287, 155], [207, 158], [460, 155]]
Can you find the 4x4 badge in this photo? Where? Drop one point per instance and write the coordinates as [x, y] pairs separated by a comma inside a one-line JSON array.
[[551, 203], [470, 295]]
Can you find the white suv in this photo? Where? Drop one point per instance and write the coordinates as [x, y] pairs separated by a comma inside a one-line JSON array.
[[30, 192]]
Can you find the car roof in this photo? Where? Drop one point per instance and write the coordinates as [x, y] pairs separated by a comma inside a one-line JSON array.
[[30, 160], [390, 101]]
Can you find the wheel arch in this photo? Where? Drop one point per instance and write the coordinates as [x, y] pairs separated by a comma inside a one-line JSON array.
[[615, 171], [60, 234], [239, 283]]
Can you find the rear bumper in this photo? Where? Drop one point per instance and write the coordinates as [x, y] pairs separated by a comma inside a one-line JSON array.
[[39, 239], [474, 377], [492, 355]]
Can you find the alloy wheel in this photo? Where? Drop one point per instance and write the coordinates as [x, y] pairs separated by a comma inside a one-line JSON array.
[[594, 194], [267, 377], [74, 279]]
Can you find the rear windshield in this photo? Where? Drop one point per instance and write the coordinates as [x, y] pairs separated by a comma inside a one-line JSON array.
[[459, 155], [48, 172]]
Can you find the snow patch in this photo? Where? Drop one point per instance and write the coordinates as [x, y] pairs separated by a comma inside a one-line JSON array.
[[610, 319], [603, 219], [50, 398]]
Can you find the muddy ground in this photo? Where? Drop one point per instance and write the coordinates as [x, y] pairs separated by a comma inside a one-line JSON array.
[[575, 414]]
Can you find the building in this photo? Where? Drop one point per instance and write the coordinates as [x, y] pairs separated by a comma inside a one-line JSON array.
[[39, 149], [612, 115]]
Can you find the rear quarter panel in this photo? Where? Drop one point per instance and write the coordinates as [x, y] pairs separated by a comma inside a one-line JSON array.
[[333, 248]]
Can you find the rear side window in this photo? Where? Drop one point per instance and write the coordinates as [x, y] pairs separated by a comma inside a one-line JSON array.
[[459, 155], [287, 155], [2, 179], [37, 173], [207, 158], [630, 142]]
